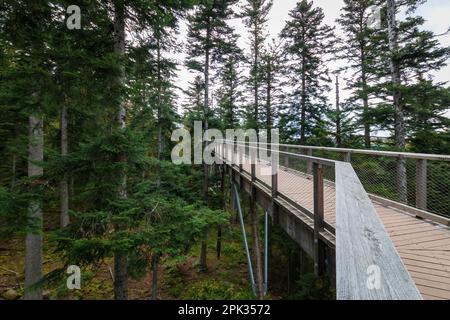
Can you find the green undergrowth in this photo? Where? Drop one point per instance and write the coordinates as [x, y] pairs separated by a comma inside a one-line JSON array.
[[226, 278]]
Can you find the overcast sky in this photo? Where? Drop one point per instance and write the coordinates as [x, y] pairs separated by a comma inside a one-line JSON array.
[[435, 12]]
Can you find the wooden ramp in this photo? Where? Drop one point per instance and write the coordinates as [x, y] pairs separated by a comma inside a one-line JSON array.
[[423, 246]]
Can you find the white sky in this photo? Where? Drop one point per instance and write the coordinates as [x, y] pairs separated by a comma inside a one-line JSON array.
[[435, 12]]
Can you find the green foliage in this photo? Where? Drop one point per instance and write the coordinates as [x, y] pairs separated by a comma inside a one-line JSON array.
[[13, 213], [311, 287], [307, 41], [216, 290], [125, 196]]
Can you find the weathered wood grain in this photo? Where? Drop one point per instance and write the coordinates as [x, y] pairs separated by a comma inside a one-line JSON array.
[[362, 242]]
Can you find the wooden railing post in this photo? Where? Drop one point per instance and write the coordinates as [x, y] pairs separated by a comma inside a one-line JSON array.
[[348, 157], [421, 184], [319, 254], [402, 183], [224, 150], [309, 164], [286, 159], [275, 160], [241, 160], [253, 162], [233, 154]]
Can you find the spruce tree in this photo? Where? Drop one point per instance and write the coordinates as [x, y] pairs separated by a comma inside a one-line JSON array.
[[207, 30], [230, 78], [25, 33], [407, 54], [255, 14], [307, 41], [273, 58], [357, 50]]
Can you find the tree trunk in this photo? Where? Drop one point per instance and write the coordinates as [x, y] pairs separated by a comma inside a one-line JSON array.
[[205, 126], [14, 170], [269, 100], [338, 115], [64, 185], [33, 242], [255, 84], [400, 129], [71, 190], [155, 264], [219, 242], [365, 99], [303, 105], [232, 89], [160, 135], [256, 248], [203, 253], [120, 258], [120, 276], [206, 110]]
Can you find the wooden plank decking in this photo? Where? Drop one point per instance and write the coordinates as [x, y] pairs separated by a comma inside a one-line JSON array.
[[423, 246]]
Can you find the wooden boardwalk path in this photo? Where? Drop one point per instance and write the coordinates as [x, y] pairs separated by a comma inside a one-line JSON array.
[[423, 246]]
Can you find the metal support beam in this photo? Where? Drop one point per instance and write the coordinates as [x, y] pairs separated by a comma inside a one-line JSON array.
[[319, 250], [244, 236]]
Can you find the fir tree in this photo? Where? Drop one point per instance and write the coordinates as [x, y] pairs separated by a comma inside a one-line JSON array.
[[410, 56], [255, 14], [356, 48], [307, 41], [229, 76], [207, 30]]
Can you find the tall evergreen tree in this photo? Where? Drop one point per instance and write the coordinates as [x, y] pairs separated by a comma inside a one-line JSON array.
[[207, 31], [272, 71], [427, 105], [25, 32], [255, 14], [407, 54], [193, 105], [307, 41], [356, 48], [230, 78]]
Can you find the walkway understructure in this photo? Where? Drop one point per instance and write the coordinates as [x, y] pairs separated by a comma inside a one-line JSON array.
[[369, 219]]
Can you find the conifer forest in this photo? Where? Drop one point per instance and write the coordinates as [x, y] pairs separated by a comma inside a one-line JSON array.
[[102, 198]]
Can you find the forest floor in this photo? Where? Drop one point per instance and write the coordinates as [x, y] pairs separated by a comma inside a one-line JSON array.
[[226, 278]]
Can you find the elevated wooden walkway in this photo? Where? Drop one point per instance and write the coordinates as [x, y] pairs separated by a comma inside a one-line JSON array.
[[423, 245]]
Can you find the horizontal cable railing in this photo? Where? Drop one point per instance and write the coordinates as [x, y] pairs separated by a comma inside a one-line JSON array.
[[408, 180]]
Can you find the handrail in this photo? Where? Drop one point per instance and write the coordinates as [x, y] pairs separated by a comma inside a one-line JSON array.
[[368, 267], [394, 154], [327, 162], [367, 263]]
